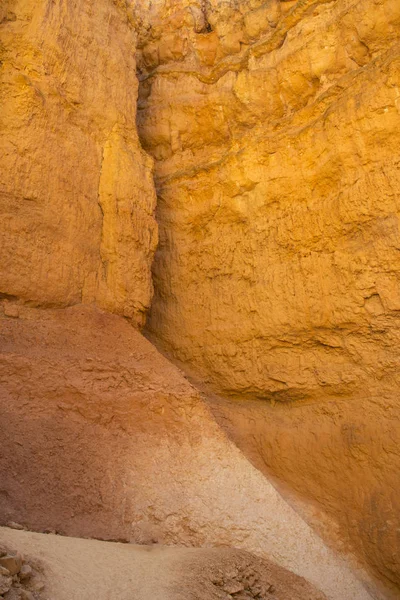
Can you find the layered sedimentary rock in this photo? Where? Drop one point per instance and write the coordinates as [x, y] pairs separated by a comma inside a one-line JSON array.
[[76, 191], [103, 437], [276, 131]]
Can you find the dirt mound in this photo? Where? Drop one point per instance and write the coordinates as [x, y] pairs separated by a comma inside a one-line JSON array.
[[226, 573]]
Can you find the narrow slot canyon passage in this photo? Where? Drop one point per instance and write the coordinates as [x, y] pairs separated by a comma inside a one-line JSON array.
[[199, 306]]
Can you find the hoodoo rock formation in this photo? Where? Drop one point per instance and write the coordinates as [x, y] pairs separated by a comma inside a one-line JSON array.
[[259, 140]]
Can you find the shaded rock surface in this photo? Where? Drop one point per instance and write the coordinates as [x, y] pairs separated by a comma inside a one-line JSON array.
[[103, 437]]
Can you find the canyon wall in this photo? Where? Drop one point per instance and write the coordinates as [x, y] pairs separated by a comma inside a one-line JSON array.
[[101, 436], [77, 194], [275, 129]]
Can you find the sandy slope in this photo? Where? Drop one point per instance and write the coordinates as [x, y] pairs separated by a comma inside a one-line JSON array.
[[103, 438], [79, 569]]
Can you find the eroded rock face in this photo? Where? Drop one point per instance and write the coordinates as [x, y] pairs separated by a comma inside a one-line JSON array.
[[77, 196], [278, 172], [276, 131]]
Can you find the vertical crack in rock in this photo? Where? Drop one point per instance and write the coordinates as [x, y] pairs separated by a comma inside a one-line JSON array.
[[103, 272]]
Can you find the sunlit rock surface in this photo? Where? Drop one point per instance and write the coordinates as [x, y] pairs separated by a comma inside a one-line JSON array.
[[275, 127]]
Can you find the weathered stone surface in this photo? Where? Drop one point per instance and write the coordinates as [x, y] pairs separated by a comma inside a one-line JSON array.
[[275, 130], [12, 563], [76, 191], [27, 595], [13, 594], [111, 441], [279, 238], [14, 575], [25, 572], [276, 139]]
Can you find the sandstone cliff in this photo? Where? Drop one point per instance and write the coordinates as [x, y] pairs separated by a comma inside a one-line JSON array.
[[275, 127]]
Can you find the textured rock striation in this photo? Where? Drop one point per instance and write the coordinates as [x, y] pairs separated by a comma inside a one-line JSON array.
[[76, 192], [277, 170], [275, 127]]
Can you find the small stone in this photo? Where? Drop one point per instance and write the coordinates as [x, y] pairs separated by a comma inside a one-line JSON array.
[[25, 572], [12, 563], [13, 594], [37, 586], [4, 571], [232, 574], [27, 595], [11, 310], [14, 525], [234, 587]]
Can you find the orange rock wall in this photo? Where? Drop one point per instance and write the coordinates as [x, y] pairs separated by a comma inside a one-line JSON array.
[[277, 171], [76, 190], [275, 127]]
